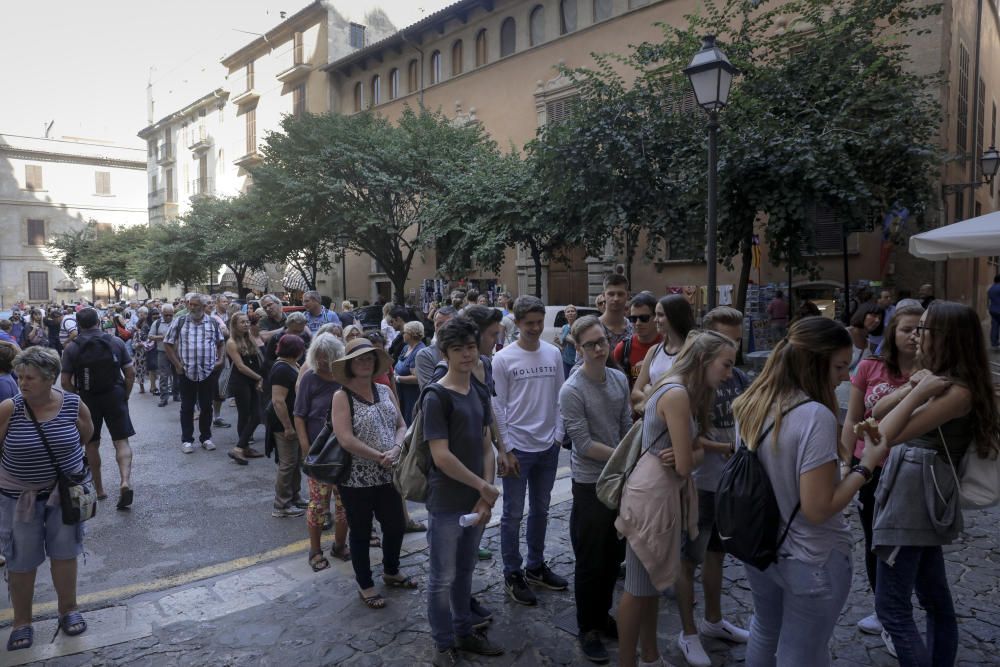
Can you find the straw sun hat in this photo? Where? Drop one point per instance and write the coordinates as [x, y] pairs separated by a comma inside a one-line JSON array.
[[353, 350]]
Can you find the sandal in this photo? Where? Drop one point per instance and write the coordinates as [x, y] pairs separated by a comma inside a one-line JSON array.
[[399, 581], [374, 602], [125, 498], [415, 527], [340, 552], [318, 562], [73, 619], [24, 636]]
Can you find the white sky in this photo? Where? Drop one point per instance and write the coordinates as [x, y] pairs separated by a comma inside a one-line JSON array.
[[85, 64]]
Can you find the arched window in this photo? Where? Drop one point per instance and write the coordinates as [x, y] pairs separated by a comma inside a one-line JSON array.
[[393, 83], [602, 10], [537, 26], [412, 76], [481, 48], [567, 16], [376, 90], [456, 58], [359, 97], [435, 67], [508, 37]]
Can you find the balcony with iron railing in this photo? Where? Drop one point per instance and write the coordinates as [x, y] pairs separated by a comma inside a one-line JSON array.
[[201, 140], [157, 197], [165, 155], [202, 187]]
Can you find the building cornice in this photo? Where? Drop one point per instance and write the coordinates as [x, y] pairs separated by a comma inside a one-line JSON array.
[[219, 95], [48, 156], [304, 18], [67, 206]]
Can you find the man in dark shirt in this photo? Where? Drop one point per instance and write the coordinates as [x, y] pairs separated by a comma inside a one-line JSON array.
[[460, 482], [993, 295], [108, 406]]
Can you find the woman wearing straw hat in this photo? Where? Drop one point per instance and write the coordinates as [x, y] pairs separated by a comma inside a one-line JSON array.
[[368, 424]]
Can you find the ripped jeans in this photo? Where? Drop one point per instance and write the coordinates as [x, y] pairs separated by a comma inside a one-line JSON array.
[[796, 606]]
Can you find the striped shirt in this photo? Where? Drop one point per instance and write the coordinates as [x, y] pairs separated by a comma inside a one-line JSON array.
[[24, 455], [196, 344]]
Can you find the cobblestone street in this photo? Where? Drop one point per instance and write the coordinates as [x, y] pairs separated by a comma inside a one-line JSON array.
[[283, 614]]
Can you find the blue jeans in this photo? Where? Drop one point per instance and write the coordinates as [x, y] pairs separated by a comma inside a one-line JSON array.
[[920, 568], [795, 608], [538, 474], [449, 583]]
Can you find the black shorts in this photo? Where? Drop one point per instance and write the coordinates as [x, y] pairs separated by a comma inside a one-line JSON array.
[[708, 535], [110, 408], [152, 360]]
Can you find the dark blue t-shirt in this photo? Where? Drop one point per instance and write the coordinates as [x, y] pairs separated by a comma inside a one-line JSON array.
[[994, 296], [463, 427]]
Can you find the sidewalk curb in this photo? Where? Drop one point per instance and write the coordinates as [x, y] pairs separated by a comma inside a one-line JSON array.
[[208, 599]]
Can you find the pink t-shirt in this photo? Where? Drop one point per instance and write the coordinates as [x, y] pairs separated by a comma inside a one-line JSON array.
[[873, 378]]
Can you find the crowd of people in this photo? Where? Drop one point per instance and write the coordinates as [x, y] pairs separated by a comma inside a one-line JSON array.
[[495, 400]]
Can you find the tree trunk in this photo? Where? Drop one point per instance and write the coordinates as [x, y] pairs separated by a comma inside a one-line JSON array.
[[536, 257], [744, 282]]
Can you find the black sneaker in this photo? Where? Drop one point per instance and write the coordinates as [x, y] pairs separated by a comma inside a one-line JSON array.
[[480, 610], [517, 589], [219, 422], [447, 658], [478, 643], [546, 578], [163, 402], [480, 622], [593, 648], [611, 629]]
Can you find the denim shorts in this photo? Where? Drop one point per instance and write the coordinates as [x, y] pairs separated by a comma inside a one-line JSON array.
[[25, 545]]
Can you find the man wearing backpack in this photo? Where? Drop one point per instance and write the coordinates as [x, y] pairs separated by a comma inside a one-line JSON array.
[[98, 367], [706, 550], [631, 352], [528, 376], [460, 482], [194, 347]]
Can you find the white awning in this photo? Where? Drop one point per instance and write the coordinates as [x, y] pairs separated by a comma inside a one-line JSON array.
[[975, 237]]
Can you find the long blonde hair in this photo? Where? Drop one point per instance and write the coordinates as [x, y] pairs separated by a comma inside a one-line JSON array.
[[700, 349], [799, 363], [244, 343]]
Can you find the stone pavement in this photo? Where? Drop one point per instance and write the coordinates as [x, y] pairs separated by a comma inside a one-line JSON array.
[[282, 613]]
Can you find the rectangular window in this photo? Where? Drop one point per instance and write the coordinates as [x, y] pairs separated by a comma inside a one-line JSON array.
[[980, 119], [151, 148], [828, 230], [251, 131], [298, 49], [299, 100], [357, 36], [102, 182], [38, 286], [993, 142], [959, 206], [36, 232], [962, 130], [559, 110], [152, 183], [250, 75], [33, 177], [168, 176], [168, 143]]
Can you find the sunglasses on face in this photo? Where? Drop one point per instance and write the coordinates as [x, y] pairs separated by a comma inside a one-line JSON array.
[[639, 318]]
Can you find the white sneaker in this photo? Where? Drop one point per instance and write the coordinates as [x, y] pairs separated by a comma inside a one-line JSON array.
[[187, 447], [889, 646], [208, 445], [694, 653], [660, 662], [724, 630], [870, 625]]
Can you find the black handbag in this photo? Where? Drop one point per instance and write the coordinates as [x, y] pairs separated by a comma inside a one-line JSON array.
[[77, 496], [327, 461]]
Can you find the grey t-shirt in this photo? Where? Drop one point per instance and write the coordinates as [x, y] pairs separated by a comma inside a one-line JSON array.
[[592, 411], [463, 427], [707, 475], [807, 440]]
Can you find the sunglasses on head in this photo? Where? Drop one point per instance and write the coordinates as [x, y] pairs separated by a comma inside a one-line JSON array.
[[639, 318]]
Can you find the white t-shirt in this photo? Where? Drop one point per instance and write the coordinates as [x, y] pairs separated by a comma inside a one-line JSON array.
[[660, 363], [526, 404]]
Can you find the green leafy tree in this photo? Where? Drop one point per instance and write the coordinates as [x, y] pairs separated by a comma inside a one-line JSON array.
[[495, 204], [364, 182], [99, 254], [826, 113]]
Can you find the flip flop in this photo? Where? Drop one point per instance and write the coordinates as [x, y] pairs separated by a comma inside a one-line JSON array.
[[399, 581], [24, 635], [318, 562], [66, 623], [125, 498], [374, 602]]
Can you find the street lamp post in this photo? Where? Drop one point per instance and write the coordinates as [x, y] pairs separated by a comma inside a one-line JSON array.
[[711, 75]]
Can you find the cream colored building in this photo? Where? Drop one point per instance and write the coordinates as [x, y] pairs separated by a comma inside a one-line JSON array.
[[51, 186]]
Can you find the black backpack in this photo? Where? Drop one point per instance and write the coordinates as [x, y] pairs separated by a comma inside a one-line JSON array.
[[97, 364], [746, 512]]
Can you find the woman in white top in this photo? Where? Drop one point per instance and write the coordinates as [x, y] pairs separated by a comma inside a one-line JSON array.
[[674, 320]]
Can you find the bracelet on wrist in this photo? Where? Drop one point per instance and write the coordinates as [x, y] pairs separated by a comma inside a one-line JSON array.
[[863, 471]]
